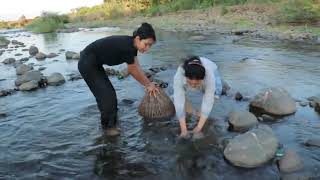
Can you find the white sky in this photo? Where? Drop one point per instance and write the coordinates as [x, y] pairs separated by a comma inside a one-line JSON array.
[[13, 9]]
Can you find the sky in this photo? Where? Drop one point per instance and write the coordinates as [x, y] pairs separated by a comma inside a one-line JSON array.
[[13, 9]]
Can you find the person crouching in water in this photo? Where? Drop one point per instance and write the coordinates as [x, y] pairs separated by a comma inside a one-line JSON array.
[[196, 73], [114, 50]]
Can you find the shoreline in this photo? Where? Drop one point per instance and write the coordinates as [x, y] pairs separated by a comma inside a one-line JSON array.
[[204, 22]]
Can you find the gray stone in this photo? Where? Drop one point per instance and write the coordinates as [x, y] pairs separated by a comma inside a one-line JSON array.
[[9, 61], [225, 87], [276, 101], [313, 142], [42, 68], [238, 96], [40, 56], [303, 104], [241, 120], [253, 148], [33, 50], [29, 76], [56, 79], [18, 54], [28, 86], [22, 69], [197, 38], [268, 118], [52, 55], [290, 162], [71, 54]]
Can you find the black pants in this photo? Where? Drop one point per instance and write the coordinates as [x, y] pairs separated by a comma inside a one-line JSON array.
[[101, 87]]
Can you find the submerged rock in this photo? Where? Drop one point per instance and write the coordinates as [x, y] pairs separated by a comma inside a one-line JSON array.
[[40, 56], [29, 76], [313, 142], [241, 120], [290, 162], [275, 101], [56, 79], [9, 61], [22, 69], [253, 148], [28, 86]]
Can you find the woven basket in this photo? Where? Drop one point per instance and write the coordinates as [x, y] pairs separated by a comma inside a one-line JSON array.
[[159, 107]]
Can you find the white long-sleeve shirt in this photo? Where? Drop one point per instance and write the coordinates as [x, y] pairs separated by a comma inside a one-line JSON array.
[[208, 87]]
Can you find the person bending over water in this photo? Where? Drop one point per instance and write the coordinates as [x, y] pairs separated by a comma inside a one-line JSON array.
[[196, 73]]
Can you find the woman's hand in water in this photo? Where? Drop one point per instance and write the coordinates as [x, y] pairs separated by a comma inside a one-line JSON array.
[[152, 89]]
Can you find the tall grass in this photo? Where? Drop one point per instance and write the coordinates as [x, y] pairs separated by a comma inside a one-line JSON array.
[[299, 11], [48, 22], [3, 25]]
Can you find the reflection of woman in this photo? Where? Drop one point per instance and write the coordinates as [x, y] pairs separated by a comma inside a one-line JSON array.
[[197, 73], [114, 50]]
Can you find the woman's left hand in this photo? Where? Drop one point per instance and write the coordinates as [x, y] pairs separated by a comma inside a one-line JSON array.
[[152, 89]]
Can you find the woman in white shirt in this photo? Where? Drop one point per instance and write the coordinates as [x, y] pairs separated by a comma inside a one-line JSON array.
[[196, 73]]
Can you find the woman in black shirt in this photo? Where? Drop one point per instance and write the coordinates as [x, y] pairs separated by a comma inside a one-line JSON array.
[[114, 50]]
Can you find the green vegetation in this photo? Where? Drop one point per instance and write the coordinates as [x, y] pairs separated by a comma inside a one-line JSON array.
[[48, 22], [299, 11], [3, 25]]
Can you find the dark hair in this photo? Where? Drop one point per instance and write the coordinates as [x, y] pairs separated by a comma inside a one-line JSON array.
[[193, 68], [145, 31]]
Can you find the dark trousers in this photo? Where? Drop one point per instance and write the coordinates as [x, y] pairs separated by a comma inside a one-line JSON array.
[[101, 87]]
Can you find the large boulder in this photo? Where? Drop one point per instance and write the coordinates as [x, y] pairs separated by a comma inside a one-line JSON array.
[[23, 68], [4, 42], [275, 101], [290, 162], [56, 79], [242, 120], [40, 56], [29, 76], [28, 86], [253, 148], [9, 61], [33, 50]]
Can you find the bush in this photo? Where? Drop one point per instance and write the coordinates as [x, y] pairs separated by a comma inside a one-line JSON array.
[[48, 22], [299, 11]]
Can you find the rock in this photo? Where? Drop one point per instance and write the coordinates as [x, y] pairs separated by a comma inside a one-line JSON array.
[[253, 148], [71, 55], [290, 162], [24, 49], [197, 38], [62, 50], [268, 118], [225, 87], [22, 69], [76, 56], [241, 120], [29, 76], [28, 86], [313, 142], [52, 55], [33, 50], [303, 104], [312, 104], [73, 77], [4, 42], [40, 56], [238, 96], [42, 68], [56, 79], [24, 59], [275, 101], [241, 32], [9, 61], [18, 54], [6, 92]]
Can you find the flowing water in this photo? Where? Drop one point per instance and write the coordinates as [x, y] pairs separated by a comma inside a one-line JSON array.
[[55, 133]]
